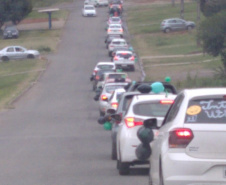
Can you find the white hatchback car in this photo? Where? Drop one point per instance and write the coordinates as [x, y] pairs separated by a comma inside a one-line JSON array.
[[141, 107], [124, 59], [17, 52], [116, 43], [115, 29], [106, 93], [102, 66], [190, 147], [89, 10]]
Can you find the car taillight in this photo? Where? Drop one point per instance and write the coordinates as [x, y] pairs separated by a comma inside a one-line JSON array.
[[111, 46], [116, 58], [132, 58], [114, 105], [180, 137], [120, 30], [132, 122], [166, 101], [97, 78], [104, 97], [109, 30]]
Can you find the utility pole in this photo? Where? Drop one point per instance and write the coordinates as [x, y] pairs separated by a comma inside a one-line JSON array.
[[182, 9]]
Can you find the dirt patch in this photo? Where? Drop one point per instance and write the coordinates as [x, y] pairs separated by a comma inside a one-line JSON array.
[[30, 21]]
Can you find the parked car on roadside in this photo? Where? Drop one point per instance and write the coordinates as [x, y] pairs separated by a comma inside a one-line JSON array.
[[174, 24], [90, 2], [17, 52], [10, 32]]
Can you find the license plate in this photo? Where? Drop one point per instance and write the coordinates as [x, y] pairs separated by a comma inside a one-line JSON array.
[[124, 65], [224, 171]]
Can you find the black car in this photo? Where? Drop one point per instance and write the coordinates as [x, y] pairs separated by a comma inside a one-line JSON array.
[[10, 32], [134, 86]]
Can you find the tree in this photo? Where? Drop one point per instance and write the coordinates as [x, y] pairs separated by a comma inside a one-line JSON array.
[[14, 10], [212, 32]]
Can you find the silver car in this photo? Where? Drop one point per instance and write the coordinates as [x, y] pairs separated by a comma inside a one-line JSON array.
[[17, 52], [10, 32], [175, 24]]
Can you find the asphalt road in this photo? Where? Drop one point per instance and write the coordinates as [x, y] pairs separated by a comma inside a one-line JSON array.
[[52, 136]]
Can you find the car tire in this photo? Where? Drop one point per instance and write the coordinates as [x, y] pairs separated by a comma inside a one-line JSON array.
[[123, 168], [109, 53], [5, 59], [30, 56], [189, 28], [167, 30], [113, 151], [132, 68]]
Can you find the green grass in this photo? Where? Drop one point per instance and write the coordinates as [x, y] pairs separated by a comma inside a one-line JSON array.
[[144, 26], [15, 76], [62, 14], [44, 3]]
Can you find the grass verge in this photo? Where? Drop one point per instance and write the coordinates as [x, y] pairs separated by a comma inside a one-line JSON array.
[[144, 26]]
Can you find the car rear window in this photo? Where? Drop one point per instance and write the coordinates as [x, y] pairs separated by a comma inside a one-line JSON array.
[[206, 110], [116, 76], [105, 66], [118, 43], [152, 109], [124, 55], [112, 88]]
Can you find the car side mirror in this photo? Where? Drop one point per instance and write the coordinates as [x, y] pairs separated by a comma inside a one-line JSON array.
[[117, 117], [151, 123]]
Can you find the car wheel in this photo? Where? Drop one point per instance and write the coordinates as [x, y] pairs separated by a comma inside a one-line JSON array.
[[123, 168], [30, 56], [109, 53], [5, 59], [132, 68], [167, 30], [113, 151], [189, 28]]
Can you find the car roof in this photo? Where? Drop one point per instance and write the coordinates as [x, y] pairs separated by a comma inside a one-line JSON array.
[[89, 5], [124, 51], [105, 63], [118, 39], [152, 96], [133, 87], [190, 93]]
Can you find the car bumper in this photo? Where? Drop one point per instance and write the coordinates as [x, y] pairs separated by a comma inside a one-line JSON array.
[[182, 169]]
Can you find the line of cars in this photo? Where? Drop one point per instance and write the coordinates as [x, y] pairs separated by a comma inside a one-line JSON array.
[[181, 135]]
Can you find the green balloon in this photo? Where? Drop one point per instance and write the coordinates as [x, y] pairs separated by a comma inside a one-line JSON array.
[[167, 79], [157, 87], [107, 125]]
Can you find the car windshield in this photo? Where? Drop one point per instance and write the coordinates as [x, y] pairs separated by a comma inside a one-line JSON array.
[[206, 110], [114, 76], [11, 28], [152, 109], [115, 19], [115, 26], [118, 43], [105, 66], [89, 8], [112, 88]]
